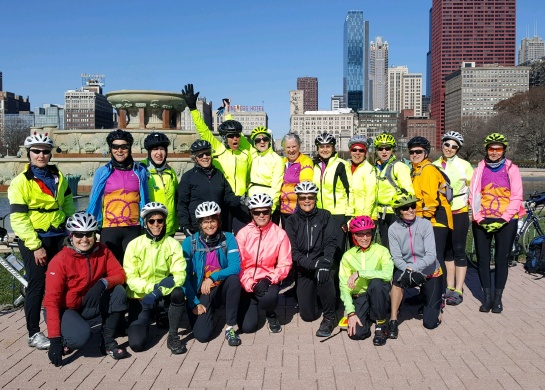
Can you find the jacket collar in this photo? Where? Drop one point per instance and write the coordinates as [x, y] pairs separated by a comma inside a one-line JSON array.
[[30, 175]]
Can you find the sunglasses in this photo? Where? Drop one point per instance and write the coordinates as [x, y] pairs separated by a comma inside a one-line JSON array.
[[262, 139], [307, 197], [160, 221], [364, 234], [233, 135], [357, 150], [122, 146], [418, 151], [407, 207], [257, 213], [387, 148], [38, 151], [452, 146], [498, 149], [81, 235], [201, 155]]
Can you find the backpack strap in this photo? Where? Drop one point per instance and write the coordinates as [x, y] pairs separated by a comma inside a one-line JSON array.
[[388, 176]]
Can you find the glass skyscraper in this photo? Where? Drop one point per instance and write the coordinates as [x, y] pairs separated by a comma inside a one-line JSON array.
[[356, 61]]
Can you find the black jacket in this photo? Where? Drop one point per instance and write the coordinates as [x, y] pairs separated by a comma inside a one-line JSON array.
[[196, 187], [312, 237]]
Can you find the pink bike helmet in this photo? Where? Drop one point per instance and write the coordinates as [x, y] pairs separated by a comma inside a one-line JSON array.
[[361, 223]]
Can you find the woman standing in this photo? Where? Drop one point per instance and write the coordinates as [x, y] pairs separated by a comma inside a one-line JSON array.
[[496, 204], [459, 172], [364, 179]]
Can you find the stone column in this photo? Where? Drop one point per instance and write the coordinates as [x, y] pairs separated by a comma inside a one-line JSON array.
[[141, 114], [166, 116], [122, 118]]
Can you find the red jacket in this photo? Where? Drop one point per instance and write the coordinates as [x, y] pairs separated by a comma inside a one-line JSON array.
[[70, 275]]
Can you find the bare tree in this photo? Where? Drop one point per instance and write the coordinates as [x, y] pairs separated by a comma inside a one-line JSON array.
[[474, 131], [15, 131]]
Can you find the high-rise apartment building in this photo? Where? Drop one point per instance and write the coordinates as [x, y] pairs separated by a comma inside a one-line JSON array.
[[310, 98], [480, 31], [87, 108], [356, 61], [378, 73], [531, 49], [411, 94], [337, 102], [395, 87]]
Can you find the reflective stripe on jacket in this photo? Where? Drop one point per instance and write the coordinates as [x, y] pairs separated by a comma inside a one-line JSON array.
[[334, 185]]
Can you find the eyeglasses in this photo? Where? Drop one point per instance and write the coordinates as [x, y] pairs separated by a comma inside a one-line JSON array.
[[201, 155], [307, 197], [407, 207], [452, 146], [160, 221], [83, 234], [367, 233], [38, 151], [357, 150], [233, 135], [262, 139], [257, 213], [417, 151], [498, 149], [120, 146], [209, 222], [387, 148]]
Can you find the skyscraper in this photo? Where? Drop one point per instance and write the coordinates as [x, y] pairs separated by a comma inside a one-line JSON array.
[[310, 97], [356, 61], [395, 87], [531, 49], [480, 31], [378, 73]]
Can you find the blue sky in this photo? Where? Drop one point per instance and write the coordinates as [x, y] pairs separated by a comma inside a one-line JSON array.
[[251, 51]]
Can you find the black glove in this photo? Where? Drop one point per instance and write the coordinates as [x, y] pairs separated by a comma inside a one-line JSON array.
[[322, 275], [487, 221], [405, 279], [167, 282], [190, 97], [150, 299], [55, 351], [260, 288], [322, 263], [92, 297], [417, 278]]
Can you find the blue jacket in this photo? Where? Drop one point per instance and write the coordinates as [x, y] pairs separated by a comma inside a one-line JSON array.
[[99, 183], [229, 260]]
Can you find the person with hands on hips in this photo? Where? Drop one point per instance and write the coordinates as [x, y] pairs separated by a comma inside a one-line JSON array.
[[313, 244], [364, 276], [156, 270], [213, 265], [412, 245], [265, 255], [84, 280], [495, 197]]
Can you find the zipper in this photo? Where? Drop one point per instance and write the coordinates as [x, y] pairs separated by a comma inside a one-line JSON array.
[[257, 253], [88, 269], [411, 243]]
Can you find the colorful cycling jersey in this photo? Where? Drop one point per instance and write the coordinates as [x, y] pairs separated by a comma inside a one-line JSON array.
[[296, 172], [121, 199]]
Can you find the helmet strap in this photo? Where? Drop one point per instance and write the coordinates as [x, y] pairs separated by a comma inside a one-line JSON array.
[[157, 167]]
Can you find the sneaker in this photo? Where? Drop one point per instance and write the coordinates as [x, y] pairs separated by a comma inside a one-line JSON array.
[[449, 293], [175, 345], [326, 328], [274, 324], [113, 350], [455, 299], [39, 341], [392, 329], [232, 337], [381, 335]]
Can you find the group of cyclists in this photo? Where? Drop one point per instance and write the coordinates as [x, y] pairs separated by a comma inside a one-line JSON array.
[[256, 222]]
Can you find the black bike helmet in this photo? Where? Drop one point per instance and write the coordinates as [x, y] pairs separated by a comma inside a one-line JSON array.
[[230, 126], [419, 141], [155, 139], [119, 134], [200, 145]]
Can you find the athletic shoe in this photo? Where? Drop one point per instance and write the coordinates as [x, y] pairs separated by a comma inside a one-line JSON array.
[[380, 336], [326, 328], [274, 324], [449, 293], [232, 337], [113, 350], [455, 299], [175, 345], [392, 329], [39, 341]]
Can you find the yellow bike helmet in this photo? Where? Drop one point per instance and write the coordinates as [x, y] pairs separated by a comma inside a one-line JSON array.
[[385, 139], [495, 138]]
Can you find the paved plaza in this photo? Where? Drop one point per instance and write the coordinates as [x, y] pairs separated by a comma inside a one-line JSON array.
[[470, 350]]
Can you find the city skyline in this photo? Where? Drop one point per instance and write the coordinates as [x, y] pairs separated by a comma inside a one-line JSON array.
[[257, 63]]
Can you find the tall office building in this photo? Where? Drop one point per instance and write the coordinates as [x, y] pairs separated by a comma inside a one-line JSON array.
[[336, 102], [395, 87], [356, 61], [87, 107], [310, 98], [378, 73], [531, 49], [10, 103], [411, 94], [480, 31]]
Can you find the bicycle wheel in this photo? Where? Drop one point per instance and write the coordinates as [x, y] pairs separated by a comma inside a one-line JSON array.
[[536, 228]]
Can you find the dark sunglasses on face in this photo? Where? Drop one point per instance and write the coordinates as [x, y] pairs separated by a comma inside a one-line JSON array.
[[418, 151], [452, 146], [233, 135], [387, 148], [38, 151], [357, 150], [262, 139], [122, 147], [257, 213], [85, 234], [407, 207], [201, 155], [160, 221], [307, 197]]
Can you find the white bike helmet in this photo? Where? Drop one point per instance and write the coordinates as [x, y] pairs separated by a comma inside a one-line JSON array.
[[152, 208], [306, 187], [260, 200], [81, 222], [455, 136], [325, 139], [207, 209], [38, 139]]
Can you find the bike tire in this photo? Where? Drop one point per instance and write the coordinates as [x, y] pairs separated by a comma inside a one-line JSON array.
[[533, 230]]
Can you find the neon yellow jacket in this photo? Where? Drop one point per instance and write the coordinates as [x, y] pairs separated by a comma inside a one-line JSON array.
[[266, 174], [234, 164], [373, 263], [334, 186], [401, 174], [147, 262], [162, 188], [364, 190], [29, 201], [460, 172]]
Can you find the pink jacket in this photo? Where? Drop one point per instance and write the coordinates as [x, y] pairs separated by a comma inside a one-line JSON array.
[[515, 206], [263, 252]]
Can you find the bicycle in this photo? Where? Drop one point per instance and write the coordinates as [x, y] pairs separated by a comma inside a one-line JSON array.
[[530, 227], [13, 265]]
